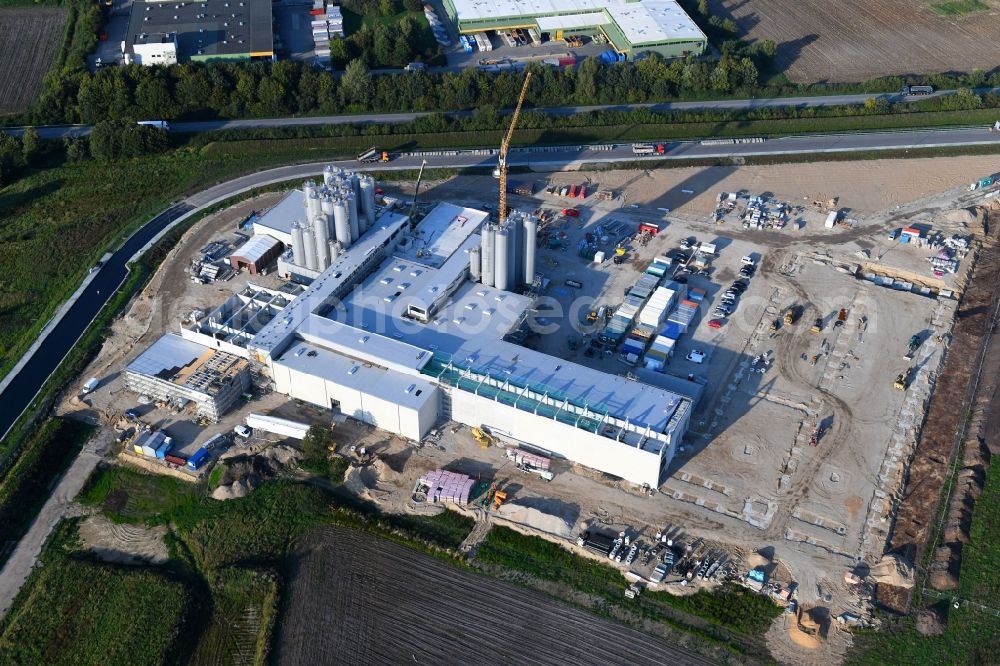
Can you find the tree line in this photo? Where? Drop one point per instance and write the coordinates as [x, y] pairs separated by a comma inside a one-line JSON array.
[[263, 89]]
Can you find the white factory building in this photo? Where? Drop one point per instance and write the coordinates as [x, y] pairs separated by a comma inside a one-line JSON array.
[[404, 328]]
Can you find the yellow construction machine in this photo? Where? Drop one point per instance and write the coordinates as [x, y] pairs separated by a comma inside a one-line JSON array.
[[484, 438]]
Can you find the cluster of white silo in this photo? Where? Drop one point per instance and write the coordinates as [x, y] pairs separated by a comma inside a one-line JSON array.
[[337, 212], [506, 256]]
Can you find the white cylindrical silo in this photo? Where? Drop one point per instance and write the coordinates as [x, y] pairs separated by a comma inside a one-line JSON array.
[[309, 245], [322, 238], [530, 241], [368, 200], [336, 249], [328, 175], [342, 222], [327, 207], [352, 211], [313, 206], [355, 182], [475, 263], [486, 246], [501, 268], [298, 249]]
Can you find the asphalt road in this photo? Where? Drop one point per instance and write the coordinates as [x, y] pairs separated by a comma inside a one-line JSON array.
[[25, 385], [60, 131]]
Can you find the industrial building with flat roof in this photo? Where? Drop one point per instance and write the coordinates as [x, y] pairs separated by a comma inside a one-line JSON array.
[[631, 26], [181, 372], [164, 33], [407, 326]]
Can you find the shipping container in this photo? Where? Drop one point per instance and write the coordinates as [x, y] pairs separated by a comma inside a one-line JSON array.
[[175, 460], [199, 458], [696, 295], [164, 448]]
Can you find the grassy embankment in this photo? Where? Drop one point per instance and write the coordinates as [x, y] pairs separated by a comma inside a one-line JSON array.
[[733, 616], [972, 631]]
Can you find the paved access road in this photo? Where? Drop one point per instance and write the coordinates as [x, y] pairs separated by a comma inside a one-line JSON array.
[[60, 131], [25, 384]]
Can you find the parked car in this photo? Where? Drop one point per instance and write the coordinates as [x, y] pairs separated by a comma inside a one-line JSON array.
[[696, 356], [746, 271], [738, 287], [243, 431], [715, 323]]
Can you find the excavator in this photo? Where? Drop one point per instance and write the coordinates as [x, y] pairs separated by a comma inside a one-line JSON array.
[[493, 498], [485, 439]]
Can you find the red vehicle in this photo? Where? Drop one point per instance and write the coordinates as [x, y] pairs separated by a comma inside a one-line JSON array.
[[572, 191], [583, 192], [715, 323], [571, 212], [660, 149], [316, 12]]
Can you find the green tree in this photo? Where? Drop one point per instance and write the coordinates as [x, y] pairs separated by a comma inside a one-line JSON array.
[[356, 83], [586, 81], [30, 145], [316, 444]]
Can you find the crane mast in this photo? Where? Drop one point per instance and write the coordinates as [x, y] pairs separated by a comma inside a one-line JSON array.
[[502, 166]]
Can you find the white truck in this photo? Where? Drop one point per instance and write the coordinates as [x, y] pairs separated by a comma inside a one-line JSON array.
[[158, 124], [90, 385]]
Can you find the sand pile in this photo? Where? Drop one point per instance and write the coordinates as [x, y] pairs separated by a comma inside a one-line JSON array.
[[233, 490], [536, 518], [892, 570]]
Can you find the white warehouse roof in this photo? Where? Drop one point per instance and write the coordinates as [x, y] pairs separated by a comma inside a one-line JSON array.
[[256, 248], [642, 22], [167, 355]]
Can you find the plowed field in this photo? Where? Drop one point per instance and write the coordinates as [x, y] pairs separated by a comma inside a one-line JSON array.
[[357, 600], [29, 39], [854, 40]]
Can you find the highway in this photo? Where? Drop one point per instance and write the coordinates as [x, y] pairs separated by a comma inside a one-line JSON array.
[[26, 383], [60, 131]]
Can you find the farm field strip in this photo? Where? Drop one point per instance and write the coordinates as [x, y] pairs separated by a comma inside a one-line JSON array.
[[29, 39], [375, 602], [854, 40]]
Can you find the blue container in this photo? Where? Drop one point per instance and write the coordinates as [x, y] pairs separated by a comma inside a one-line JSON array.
[[164, 449], [673, 330], [198, 459]]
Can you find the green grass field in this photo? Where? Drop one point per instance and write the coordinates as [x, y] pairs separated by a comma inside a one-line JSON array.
[[80, 612], [958, 7], [130, 496], [244, 610]]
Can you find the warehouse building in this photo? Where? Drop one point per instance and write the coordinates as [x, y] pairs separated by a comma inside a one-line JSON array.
[[630, 26], [164, 33], [184, 373], [256, 254], [410, 326]]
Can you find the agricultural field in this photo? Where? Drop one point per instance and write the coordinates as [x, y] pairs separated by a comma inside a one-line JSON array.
[[357, 599], [29, 40], [75, 611], [244, 604], [855, 40]]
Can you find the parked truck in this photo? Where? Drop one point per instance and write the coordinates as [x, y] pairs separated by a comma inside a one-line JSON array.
[[917, 90]]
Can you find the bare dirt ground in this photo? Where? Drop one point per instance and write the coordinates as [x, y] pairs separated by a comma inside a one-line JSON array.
[[854, 40], [358, 600], [747, 478], [124, 544], [29, 39], [916, 517]]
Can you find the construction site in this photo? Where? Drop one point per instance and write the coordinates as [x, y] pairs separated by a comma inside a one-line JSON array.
[[700, 376]]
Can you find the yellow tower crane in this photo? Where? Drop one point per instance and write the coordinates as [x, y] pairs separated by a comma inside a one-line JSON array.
[[502, 165]]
